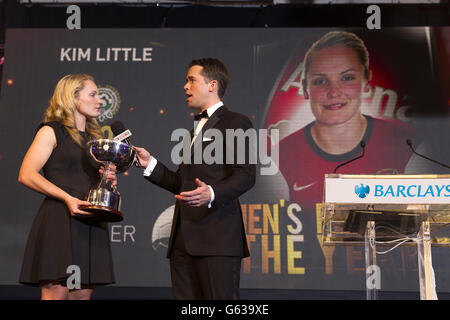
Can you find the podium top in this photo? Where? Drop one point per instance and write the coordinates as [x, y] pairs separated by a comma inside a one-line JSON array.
[[386, 176], [398, 203], [398, 189]]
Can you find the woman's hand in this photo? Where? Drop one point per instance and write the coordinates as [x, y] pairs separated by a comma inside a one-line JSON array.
[[74, 206]]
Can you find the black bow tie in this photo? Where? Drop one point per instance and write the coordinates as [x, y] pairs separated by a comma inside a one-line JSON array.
[[204, 114]]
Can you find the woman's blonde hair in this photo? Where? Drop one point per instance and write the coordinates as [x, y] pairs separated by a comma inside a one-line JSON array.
[[63, 105], [339, 39]]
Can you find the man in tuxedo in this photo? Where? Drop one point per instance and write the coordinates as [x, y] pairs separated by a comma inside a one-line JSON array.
[[207, 240]]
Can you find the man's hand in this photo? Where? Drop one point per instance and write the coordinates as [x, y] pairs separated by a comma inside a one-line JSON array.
[[143, 156], [197, 197]]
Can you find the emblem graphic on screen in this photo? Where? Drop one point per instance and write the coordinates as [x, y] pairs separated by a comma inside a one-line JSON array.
[[162, 227], [361, 190], [110, 102]]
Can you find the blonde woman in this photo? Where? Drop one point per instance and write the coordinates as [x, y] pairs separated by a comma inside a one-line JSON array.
[[61, 243]]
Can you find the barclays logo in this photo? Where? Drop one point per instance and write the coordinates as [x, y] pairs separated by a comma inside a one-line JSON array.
[[412, 191], [362, 190], [404, 191]]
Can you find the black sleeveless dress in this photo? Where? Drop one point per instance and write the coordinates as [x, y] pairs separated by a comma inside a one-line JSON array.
[[56, 239]]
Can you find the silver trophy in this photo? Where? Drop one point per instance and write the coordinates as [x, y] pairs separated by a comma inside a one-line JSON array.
[[105, 200]]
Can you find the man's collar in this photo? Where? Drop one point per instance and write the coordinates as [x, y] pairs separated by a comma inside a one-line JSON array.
[[213, 108]]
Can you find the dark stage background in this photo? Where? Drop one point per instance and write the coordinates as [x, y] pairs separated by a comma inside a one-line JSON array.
[[139, 56]]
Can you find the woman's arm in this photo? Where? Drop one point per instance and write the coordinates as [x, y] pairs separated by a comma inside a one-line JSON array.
[[35, 158]]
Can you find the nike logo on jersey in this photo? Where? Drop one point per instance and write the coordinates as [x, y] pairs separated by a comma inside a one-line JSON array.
[[302, 187]]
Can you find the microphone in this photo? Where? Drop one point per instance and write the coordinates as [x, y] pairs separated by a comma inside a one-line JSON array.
[[409, 143], [363, 146], [123, 134]]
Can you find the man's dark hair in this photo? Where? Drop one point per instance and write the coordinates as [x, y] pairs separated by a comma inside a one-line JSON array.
[[213, 69]]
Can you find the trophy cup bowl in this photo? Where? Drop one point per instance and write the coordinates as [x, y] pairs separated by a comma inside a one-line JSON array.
[[105, 201]]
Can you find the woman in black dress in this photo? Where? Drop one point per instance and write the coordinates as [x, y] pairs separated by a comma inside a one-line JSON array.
[[60, 242]]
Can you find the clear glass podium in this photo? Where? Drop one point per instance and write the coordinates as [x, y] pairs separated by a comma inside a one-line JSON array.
[[392, 211]]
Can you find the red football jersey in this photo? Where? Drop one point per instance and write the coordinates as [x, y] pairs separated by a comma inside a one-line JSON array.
[[304, 165]]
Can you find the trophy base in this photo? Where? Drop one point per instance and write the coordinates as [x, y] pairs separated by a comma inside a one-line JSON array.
[[101, 213], [105, 205]]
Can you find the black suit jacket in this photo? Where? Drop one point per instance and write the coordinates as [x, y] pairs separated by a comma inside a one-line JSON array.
[[219, 230]]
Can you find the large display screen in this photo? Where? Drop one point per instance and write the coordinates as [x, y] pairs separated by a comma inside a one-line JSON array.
[[381, 88]]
